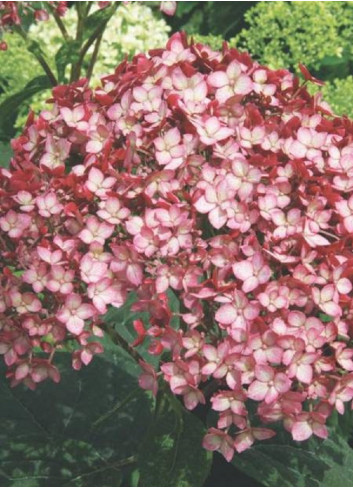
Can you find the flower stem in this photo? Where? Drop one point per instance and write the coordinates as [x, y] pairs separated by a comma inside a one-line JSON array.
[[36, 53]]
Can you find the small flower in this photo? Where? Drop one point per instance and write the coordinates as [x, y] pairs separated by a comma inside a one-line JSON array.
[[74, 313]]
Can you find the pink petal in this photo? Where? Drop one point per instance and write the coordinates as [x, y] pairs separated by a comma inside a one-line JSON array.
[[226, 314], [257, 390], [301, 430]]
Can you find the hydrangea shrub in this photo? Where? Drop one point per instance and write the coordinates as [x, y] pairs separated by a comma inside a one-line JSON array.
[[204, 173], [274, 38]]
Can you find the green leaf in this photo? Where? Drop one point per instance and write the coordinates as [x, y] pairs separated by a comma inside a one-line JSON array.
[[9, 108], [67, 54], [315, 463], [98, 18], [83, 431], [5, 154], [172, 453], [185, 7]]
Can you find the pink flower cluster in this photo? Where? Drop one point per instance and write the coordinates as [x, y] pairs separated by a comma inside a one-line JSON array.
[[206, 174]]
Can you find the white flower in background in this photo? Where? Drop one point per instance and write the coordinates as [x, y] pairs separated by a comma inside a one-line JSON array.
[[132, 29]]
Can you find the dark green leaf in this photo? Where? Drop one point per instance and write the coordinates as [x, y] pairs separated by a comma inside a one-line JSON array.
[[9, 108], [172, 453], [67, 54], [83, 431], [185, 7], [315, 463], [97, 19], [5, 154]]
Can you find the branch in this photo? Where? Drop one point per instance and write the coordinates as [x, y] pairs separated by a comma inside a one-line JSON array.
[[41, 60], [94, 56], [59, 23], [76, 72]]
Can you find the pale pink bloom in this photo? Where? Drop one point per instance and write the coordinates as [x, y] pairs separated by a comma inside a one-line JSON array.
[[24, 303], [57, 151], [36, 275], [33, 139], [233, 400], [271, 142], [105, 293], [74, 313], [287, 224], [97, 184], [343, 284], [267, 205], [308, 143], [245, 178], [247, 438], [73, 117], [147, 99], [49, 256], [227, 419], [312, 236], [111, 210], [218, 201], [327, 299], [220, 441], [161, 183], [176, 52], [146, 241], [274, 297], [92, 270], [305, 425], [168, 277], [183, 380], [237, 313], [250, 137], [60, 280], [168, 8], [253, 272], [26, 200], [221, 364], [193, 341], [343, 355], [97, 139], [96, 231], [345, 209], [48, 204], [342, 392], [116, 111], [211, 130], [127, 264], [230, 82], [169, 152], [265, 348], [301, 367], [85, 355], [304, 274], [148, 378], [15, 224], [193, 90], [268, 385], [261, 85]]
